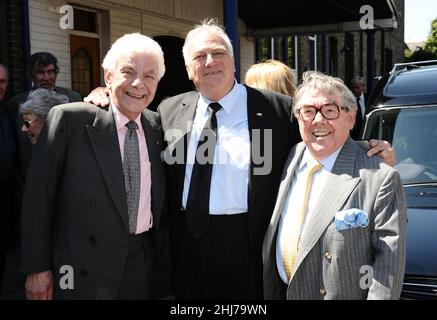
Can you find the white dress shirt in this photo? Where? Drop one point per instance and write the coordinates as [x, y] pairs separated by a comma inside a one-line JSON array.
[[293, 200], [230, 173]]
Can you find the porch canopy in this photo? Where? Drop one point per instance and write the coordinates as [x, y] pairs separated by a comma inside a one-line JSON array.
[[284, 17]]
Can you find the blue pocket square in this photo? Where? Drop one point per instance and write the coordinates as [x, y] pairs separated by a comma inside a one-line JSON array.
[[351, 218]]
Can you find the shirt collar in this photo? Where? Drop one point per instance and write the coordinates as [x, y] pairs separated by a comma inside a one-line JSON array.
[[121, 119], [227, 102], [328, 162]]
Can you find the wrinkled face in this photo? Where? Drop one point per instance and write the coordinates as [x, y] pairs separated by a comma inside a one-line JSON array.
[[357, 89], [32, 126], [3, 83], [45, 77], [323, 137], [210, 66], [133, 83]]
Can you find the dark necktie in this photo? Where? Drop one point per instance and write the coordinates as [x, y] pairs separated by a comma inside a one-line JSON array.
[[359, 111], [132, 174], [197, 219]]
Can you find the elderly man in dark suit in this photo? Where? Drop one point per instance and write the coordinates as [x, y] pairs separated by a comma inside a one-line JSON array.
[[94, 200], [338, 230]]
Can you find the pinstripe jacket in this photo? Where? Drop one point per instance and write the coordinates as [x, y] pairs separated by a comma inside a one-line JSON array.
[[357, 263]]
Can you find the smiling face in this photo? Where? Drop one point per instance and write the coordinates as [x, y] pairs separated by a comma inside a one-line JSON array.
[[210, 66], [45, 77], [323, 137], [133, 83]]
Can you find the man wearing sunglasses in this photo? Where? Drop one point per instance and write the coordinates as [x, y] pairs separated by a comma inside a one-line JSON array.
[[338, 230]]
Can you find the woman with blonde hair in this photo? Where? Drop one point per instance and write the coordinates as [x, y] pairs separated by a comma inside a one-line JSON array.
[[272, 75]]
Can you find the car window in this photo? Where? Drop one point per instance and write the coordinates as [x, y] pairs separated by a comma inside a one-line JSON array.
[[413, 134]]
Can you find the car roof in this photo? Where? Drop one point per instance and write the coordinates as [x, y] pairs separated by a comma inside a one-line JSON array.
[[408, 84]]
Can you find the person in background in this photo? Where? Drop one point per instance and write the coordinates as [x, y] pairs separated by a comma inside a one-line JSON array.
[[338, 230], [43, 70], [358, 88], [35, 109], [271, 75]]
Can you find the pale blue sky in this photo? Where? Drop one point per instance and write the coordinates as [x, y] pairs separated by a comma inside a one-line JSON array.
[[418, 17]]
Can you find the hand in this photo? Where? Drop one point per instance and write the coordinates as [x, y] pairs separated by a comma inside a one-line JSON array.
[[384, 150], [99, 97], [39, 286]]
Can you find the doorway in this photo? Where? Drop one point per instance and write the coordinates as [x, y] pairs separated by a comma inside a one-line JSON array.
[[85, 63], [175, 80]]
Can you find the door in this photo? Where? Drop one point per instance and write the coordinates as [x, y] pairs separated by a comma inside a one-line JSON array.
[[85, 63]]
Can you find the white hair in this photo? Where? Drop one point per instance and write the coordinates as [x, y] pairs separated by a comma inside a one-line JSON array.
[[134, 43], [207, 26], [314, 80]]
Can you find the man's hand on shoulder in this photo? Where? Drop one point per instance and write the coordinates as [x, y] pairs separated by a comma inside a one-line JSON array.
[[39, 286], [384, 150], [99, 97]]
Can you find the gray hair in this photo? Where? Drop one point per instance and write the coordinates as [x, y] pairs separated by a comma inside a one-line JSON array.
[[357, 80], [314, 80], [40, 101], [134, 43], [207, 26]]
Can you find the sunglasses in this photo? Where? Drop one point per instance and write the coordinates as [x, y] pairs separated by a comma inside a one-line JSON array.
[[28, 123]]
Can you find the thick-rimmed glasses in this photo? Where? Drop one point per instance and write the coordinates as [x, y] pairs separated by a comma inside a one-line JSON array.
[[329, 111]]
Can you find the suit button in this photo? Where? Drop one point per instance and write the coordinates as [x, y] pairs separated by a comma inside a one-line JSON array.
[[328, 256], [83, 273], [93, 240], [322, 291]]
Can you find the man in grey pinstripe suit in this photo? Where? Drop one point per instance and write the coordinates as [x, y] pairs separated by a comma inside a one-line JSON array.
[[351, 243]]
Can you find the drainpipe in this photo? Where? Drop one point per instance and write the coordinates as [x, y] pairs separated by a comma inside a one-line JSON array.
[[230, 10], [26, 42]]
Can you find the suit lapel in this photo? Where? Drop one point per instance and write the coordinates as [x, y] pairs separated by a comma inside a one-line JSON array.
[[340, 184], [258, 120], [104, 141], [181, 132], [153, 141]]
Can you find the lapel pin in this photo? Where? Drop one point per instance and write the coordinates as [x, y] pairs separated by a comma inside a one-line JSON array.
[[259, 114]]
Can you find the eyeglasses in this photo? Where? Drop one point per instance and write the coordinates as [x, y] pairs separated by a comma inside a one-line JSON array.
[[28, 123], [329, 111]]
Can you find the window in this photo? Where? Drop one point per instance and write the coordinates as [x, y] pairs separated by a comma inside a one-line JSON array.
[[85, 20]]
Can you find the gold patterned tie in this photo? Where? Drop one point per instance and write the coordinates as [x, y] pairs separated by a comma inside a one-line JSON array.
[[294, 226]]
